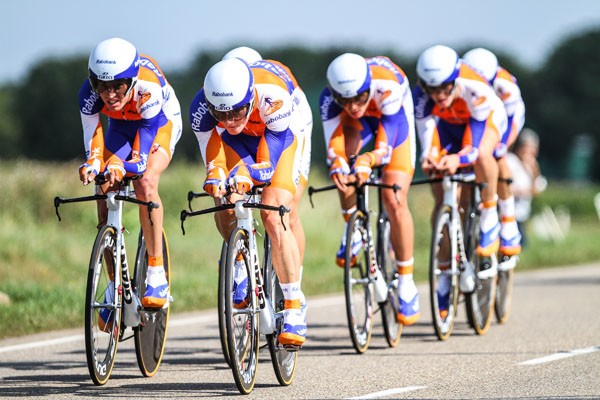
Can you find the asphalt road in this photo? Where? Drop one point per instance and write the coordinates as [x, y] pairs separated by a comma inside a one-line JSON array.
[[549, 348]]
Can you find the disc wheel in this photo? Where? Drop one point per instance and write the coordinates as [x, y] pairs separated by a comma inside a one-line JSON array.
[[102, 307], [151, 335], [357, 286], [391, 327]]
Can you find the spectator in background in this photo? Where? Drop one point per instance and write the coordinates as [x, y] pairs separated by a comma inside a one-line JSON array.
[[527, 178]]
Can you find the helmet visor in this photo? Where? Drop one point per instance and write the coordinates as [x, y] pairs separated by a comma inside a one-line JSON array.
[[119, 86]]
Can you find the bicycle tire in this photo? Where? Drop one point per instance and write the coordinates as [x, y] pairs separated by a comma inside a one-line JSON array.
[[502, 306], [387, 262], [284, 361], [443, 320], [358, 287], [480, 303], [221, 303], [150, 336], [242, 325], [102, 338]]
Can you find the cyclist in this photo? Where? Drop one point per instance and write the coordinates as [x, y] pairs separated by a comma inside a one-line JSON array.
[[249, 56], [505, 85], [252, 124], [459, 120], [144, 124], [369, 100]]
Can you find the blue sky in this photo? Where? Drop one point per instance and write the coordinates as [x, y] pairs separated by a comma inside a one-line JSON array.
[[173, 32]]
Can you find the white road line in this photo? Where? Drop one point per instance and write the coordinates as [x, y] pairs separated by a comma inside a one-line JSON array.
[[560, 356], [388, 392], [43, 343]]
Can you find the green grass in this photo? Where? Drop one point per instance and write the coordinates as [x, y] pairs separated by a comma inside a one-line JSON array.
[[44, 262]]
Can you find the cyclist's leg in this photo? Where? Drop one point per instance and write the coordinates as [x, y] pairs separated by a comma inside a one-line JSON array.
[[286, 261], [402, 238], [486, 170], [510, 238]]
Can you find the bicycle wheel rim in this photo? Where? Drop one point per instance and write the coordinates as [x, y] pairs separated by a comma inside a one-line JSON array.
[[284, 361], [442, 280], [242, 324], [151, 336], [391, 327], [221, 303], [357, 287], [101, 342]]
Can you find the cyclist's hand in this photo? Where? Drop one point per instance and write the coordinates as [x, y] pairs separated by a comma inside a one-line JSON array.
[[428, 165], [88, 171], [214, 184], [339, 172], [449, 163], [115, 169], [240, 181], [362, 168]]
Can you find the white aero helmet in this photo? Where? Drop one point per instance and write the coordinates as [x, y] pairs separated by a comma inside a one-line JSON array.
[[483, 61], [348, 75], [229, 84], [438, 65], [114, 59], [247, 54]]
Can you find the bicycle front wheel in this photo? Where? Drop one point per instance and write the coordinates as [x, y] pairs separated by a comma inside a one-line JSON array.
[[391, 327], [151, 335], [443, 281], [102, 307], [480, 303], [357, 285], [242, 321], [284, 361]]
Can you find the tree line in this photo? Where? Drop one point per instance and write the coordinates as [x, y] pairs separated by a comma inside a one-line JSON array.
[[39, 117]]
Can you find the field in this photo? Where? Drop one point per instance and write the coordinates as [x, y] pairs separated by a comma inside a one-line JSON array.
[[43, 265]]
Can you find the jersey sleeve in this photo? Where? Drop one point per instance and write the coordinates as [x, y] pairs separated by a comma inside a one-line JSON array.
[[90, 106], [203, 124]]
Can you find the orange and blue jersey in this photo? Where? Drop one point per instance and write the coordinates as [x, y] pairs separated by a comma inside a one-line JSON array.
[[507, 88], [132, 131], [388, 120], [267, 144], [459, 128]]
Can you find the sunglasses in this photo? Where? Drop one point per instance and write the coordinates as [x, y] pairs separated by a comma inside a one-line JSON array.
[[445, 89], [360, 99], [235, 115], [119, 86]]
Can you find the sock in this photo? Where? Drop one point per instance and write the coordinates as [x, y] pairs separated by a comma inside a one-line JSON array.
[[156, 271], [489, 215], [406, 283], [292, 294], [507, 212]]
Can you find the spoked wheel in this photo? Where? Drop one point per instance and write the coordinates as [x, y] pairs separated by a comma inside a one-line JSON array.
[[480, 303], [504, 292], [151, 335], [358, 290], [284, 360], [391, 327], [242, 321], [443, 282], [221, 302], [102, 307]]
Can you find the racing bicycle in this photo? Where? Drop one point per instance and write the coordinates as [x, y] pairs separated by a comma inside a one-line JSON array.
[[370, 278], [240, 328], [113, 296]]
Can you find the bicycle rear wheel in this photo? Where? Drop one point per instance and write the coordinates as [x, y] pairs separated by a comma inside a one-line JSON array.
[[242, 324], [151, 335], [102, 307], [503, 303], [391, 327], [480, 303], [221, 302], [284, 361], [443, 282], [357, 285]]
